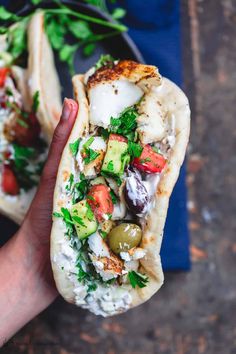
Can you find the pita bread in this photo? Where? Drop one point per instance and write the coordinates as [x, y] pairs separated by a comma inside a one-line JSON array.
[[40, 76], [175, 102]]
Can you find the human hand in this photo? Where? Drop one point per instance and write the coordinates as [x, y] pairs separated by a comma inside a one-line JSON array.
[[27, 286]]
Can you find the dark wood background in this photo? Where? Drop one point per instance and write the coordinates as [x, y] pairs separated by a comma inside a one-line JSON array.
[[195, 312]]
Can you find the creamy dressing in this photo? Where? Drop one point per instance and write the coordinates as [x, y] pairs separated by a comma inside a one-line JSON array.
[[105, 300]]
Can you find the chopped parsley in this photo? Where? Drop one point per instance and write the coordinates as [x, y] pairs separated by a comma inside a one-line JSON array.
[[70, 183], [74, 147], [105, 60], [66, 217], [87, 153], [102, 233], [23, 157], [110, 166], [104, 133], [135, 149], [137, 279], [91, 155], [78, 220], [113, 197], [88, 143], [126, 123], [117, 179], [80, 189], [35, 105], [89, 213], [22, 123]]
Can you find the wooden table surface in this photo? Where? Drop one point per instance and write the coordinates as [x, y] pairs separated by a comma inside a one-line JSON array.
[[193, 313]]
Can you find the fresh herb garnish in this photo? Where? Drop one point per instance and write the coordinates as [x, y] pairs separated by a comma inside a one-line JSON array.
[[137, 279], [91, 155], [102, 233], [78, 220], [70, 183], [126, 123], [22, 123], [89, 213], [66, 217], [22, 158], [104, 133], [104, 60], [35, 105], [74, 147], [36, 2], [80, 189], [117, 13], [88, 143], [115, 177], [135, 149], [8, 91], [110, 166], [113, 197], [59, 22]]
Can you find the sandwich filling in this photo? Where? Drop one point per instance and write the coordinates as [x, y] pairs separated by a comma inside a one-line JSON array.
[[22, 146], [115, 171]]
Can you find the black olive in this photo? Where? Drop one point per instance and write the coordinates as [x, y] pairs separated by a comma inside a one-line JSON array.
[[135, 193]]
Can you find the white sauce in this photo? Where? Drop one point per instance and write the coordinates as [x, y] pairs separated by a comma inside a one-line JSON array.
[[109, 99]]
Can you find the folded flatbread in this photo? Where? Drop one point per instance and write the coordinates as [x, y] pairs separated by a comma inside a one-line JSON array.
[[30, 106], [114, 182]]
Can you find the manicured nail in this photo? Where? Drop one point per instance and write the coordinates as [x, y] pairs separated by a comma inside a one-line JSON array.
[[66, 110]]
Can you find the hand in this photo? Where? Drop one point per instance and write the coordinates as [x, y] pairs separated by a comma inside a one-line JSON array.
[[26, 280]]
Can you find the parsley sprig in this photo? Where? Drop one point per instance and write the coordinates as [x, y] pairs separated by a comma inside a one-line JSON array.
[[60, 22], [23, 159], [137, 279]]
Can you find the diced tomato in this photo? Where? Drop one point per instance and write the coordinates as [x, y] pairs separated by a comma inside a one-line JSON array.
[[100, 201], [3, 101], [117, 137], [149, 161], [9, 181], [3, 75], [6, 155]]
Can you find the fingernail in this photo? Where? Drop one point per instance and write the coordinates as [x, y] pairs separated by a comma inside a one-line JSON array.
[[66, 110]]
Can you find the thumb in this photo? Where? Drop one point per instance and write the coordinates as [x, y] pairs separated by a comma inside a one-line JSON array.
[[61, 134], [41, 208]]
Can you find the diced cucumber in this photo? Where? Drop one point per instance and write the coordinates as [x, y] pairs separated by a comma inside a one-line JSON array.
[[84, 219], [98, 180], [116, 158]]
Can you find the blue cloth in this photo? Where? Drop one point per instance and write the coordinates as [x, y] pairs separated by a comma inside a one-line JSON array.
[[154, 25], [155, 28]]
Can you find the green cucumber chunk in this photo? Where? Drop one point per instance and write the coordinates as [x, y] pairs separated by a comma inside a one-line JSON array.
[[116, 158], [84, 219]]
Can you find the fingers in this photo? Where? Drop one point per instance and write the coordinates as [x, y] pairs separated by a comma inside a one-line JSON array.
[[60, 137], [39, 218]]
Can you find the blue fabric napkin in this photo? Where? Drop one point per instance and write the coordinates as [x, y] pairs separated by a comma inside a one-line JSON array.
[[155, 28]]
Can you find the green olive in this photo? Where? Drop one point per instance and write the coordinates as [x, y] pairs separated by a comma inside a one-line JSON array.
[[124, 237]]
